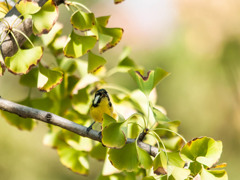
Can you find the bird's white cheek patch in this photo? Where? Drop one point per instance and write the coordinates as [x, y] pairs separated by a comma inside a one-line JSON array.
[[96, 99]]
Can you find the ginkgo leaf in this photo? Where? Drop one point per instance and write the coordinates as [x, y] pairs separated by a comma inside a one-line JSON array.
[[82, 21], [26, 7], [44, 19], [78, 45], [53, 34], [147, 83], [95, 62], [24, 60], [113, 134], [75, 160], [107, 37], [48, 78], [124, 158], [204, 150]]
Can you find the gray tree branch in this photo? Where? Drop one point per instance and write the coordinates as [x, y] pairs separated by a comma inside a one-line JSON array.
[[47, 117], [12, 18]]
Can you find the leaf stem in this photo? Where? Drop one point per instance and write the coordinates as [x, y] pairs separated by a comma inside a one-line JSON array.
[[164, 129], [15, 39], [76, 4], [24, 36]]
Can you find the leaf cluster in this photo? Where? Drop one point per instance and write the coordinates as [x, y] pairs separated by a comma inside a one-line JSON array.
[[69, 81]]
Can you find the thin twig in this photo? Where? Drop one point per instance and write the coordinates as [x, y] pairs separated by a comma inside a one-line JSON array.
[[47, 117]]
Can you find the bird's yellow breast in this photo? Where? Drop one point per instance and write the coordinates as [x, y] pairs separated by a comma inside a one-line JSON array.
[[102, 108]]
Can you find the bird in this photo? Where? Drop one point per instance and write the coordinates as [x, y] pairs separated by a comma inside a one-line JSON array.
[[101, 104]]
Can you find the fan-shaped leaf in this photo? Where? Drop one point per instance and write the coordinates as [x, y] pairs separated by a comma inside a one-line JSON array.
[[82, 21], [204, 150], [95, 62], [44, 19], [26, 7], [73, 159], [124, 158], [147, 83], [214, 175], [78, 45], [24, 60], [48, 78]]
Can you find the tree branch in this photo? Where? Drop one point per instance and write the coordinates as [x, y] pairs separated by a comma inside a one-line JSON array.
[[47, 117], [8, 46]]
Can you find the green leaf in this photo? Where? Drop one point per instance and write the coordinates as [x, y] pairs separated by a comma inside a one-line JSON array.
[[75, 160], [133, 130], [54, 138], [195, 168], [113, 135], [77, 142], [95, 62], [30, 79], [214, 175], [162, 162], [24, 60], [107, 37], [44, 104], [26, 7], [81, 101], [44, 19], [124, 158], [147, 83], [49, 78], [78, 45], [144, 158], [19, 122], [108, 168], [107, 120], [159, 116], [173, 143], [125, 64], [103, 20], [99, 152], [178, 173], [82, 21], [204, 150], [53, 34]]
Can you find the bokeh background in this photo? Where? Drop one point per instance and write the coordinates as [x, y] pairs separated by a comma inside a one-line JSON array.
[[197, 41]]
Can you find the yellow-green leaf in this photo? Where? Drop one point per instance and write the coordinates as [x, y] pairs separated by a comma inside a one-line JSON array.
[[124, 158], [44, 19], [26, 7], [78, 45], [95, 62], [82, 21], [75, 160], [49, 78], [24, 60]]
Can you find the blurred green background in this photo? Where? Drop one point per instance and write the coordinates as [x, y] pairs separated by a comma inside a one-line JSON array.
[[198, 42]]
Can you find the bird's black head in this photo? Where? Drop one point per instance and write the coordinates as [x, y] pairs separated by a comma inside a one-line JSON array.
[[101, 92], [98, 96]]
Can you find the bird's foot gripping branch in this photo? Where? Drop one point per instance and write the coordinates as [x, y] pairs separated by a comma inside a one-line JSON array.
[[137, 139]]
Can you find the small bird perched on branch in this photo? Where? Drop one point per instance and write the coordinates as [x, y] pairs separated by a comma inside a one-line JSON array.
[[101, 105]]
